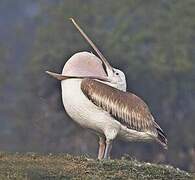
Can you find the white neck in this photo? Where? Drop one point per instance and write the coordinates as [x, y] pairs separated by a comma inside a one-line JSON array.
[[120, 86]]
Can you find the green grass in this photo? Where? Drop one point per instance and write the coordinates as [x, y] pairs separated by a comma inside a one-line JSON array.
[[63, 166]]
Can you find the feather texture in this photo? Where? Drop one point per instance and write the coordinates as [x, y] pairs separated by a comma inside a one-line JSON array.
[[130, 110]]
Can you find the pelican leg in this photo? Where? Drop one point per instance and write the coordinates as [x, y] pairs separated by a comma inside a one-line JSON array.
[[102, 146], [108, 149]]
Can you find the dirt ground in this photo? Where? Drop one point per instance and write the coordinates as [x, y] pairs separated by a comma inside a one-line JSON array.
[[64, 166]]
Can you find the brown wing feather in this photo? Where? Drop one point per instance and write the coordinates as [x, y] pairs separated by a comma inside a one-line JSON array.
[[125, 107]]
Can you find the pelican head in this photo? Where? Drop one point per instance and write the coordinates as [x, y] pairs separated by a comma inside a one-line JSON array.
[[85, 64], [116, 77]]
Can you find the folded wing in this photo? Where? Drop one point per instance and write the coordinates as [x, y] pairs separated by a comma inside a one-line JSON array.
[[127, 108]]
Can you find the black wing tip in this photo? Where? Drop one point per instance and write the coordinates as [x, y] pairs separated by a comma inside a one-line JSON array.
[[161, 138], [164, 145]]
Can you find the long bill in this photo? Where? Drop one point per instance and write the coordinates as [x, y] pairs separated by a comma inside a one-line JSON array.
[[109, 68], [64, 77]]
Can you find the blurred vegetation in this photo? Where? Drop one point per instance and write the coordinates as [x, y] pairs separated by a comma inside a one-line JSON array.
[[151, 41]]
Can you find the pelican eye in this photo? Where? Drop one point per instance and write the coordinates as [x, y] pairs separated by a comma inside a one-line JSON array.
[[117, 73]]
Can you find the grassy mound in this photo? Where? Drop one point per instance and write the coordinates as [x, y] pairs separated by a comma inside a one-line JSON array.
[[62, 166]]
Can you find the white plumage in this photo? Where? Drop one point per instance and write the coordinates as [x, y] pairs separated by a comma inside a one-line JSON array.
[[94, 96], [88, 115]]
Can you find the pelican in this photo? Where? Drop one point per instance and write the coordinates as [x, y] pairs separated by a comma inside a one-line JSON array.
[[94, 95]]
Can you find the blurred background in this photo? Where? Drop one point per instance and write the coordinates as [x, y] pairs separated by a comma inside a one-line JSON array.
[[153, 42]]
